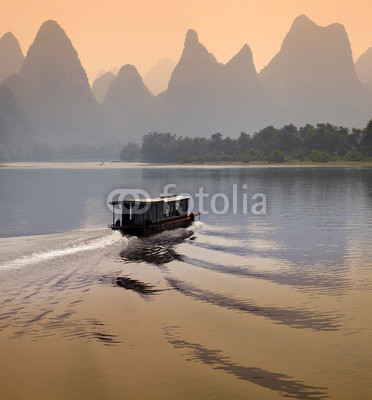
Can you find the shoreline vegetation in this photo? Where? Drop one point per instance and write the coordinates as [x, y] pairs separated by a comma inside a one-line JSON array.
[[320, 144], [323, 144], [78, 164]]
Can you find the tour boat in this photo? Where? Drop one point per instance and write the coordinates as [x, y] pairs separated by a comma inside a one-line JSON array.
[[148, 216]]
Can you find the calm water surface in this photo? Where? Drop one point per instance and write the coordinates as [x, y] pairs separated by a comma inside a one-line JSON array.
[[237, 306]]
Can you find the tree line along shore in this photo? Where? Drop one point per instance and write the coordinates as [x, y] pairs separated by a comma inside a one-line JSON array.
[[323, 143]]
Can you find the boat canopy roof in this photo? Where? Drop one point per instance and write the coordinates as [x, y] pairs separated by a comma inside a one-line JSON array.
[[162, 199]]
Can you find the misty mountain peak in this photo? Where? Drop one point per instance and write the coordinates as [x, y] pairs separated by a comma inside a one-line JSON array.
[[312, 56], [52, 37], [52, 65], [9, 38], [191, 38], [11, 56], [194, 50], [196, 68], [304, 28], [242, 64], [101, 85], [157, 78], [302, 21], [129, 79], [127, 86], [51, 41], [245, 49], [49, 26], [241, 73], [128, 70], [128, 101], [53, 89], [244, 56], [363, 67], [337, 27]]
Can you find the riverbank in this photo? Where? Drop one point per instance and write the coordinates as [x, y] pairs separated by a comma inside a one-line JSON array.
[[289, 163], [124, 164], [72, 165]]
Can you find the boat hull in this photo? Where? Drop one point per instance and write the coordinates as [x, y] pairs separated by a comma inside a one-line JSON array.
[[143, 230]]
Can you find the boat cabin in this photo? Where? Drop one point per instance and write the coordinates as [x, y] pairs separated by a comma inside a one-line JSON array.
[[146, 212]]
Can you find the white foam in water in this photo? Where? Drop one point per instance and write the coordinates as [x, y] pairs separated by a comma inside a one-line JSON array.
[[197, 225], [93, 244], [217, 228]]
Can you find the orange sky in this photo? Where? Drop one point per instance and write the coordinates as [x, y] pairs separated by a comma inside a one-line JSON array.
[[116, 32]]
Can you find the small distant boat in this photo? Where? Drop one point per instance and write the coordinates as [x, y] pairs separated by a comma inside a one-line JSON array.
[[148, 216]]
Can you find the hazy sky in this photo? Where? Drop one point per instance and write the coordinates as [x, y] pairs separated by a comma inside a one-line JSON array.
[[116, 32]]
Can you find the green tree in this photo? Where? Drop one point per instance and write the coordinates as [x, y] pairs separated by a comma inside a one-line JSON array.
[[319, 156], [130, 152], [216, 141], [366, 140], [159, 147], [244, 142], [276, 156]]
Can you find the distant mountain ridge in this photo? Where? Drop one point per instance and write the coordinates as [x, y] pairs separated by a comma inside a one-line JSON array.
[[205, 95], [311, 79]]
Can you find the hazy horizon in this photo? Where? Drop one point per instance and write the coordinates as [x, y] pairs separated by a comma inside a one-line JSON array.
[[119, 35]]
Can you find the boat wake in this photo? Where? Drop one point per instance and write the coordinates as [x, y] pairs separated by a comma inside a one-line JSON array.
[[71, 248]]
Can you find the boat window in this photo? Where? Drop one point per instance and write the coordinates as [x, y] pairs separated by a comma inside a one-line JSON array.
[[184, 205]]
